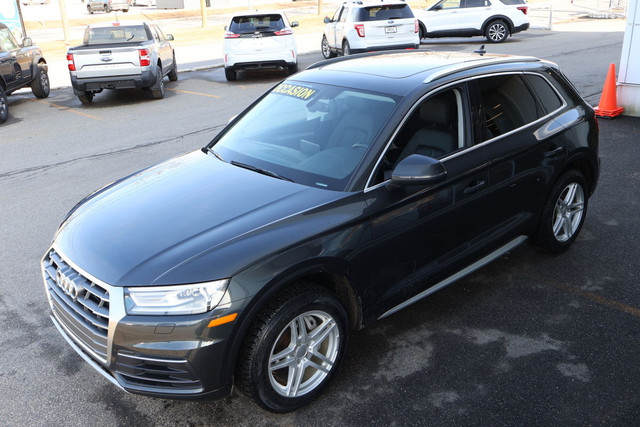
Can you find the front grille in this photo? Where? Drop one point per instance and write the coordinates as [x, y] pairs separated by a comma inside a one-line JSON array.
[[171, 374], [80, 305]]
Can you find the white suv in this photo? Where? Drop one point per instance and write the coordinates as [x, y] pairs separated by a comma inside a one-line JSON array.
[[259, 40], [367, 26], [494, 19]]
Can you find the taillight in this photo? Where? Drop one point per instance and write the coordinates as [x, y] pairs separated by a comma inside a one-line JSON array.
[[70, 63], [145, 61], [230, 35], [284, 32], [523, 9], [360, 29], [416, 28]]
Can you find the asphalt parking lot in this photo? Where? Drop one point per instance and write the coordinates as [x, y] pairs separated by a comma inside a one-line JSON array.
[[531, 339]]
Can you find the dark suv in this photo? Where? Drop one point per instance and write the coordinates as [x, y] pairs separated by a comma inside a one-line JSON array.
[[20, 66], [344, 194]]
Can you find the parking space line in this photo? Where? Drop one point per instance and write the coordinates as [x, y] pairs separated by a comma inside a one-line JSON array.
[[192, 93], [71, 110], [599, 299]]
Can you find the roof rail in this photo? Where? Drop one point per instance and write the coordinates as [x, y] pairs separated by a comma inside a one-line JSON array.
[[473, 63], [356, 56]]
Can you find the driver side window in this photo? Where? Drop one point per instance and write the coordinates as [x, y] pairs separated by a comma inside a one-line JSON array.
[[435, 129]]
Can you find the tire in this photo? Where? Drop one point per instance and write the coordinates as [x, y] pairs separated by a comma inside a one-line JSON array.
[[173, 74], [326, 49], [89, 9], [40, 84], [497, 31], [4, 106], [86, 98], [346, 49], [292, 68], [230, 74], [422, 32], [563, 213], [274, 340], [157, 90], [107, 9]]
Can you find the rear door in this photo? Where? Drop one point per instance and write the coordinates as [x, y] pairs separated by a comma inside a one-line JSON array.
[[388, 24], [524, 144], [473, 14], [165, 52]]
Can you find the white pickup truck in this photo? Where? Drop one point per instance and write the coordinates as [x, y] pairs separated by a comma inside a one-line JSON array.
[[121, 56]]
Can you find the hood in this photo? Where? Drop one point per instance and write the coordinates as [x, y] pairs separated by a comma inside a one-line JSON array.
[[154, 224]]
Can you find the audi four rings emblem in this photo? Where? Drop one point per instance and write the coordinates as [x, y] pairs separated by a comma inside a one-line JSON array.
[[67, 285]]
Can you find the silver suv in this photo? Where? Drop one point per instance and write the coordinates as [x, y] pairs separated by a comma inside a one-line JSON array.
[[362, 27]]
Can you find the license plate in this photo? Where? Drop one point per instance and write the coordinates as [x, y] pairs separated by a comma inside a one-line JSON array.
[[391, 29]]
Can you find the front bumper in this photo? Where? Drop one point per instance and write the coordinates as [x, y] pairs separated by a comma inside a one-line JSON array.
[[177, 357]]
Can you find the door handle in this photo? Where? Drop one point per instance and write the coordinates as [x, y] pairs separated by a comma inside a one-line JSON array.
[[473, 187], [554, 152]]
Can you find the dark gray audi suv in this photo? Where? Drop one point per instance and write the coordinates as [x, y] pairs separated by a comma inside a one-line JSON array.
[[343, 194]]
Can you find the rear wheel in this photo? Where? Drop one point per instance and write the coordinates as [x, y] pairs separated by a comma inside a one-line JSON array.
[[497, 31], [326, 49], [564, 213], [293, 349], [40, 83], [157, 90], [230, 74], [423, 32], [346, 49], [86, 98], [173, 74], [292, 68], [4, 106]]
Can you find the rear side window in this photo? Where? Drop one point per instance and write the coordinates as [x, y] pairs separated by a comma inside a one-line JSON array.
[[477, 3], [507, 104], [251, 24], [512, 1], [116, 34], [545, 93], [383, 13]]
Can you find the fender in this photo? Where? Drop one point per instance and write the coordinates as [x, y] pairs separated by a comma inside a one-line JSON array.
[[493, 18]]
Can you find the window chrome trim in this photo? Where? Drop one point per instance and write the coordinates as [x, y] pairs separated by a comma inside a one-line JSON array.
[[370, 187]]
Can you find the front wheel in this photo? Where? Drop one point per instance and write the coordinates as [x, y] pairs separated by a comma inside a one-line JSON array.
[[326, 49], [293, 349], [40, 83], [4, 106], [497, 31], [564, 213]]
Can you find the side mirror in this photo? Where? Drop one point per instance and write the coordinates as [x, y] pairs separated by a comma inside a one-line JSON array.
[[294, 24], [169, 37], [327, 20], [417, 170], [226, 28], [27, 42]]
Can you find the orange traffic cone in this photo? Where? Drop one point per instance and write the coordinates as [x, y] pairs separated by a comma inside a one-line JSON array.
[[608, 106]]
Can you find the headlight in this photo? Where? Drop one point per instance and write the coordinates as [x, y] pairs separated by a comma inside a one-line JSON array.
[[174, 300]]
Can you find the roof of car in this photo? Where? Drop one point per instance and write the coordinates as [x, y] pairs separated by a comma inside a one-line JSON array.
[[399, 72], [259, 13], [116, 24], [369, 3]]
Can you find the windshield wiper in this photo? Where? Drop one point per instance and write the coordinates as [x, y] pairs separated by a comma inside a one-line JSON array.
[[260, 170]]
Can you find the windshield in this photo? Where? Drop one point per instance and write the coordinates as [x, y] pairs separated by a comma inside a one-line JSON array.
[[311, 134], [116, 34]]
